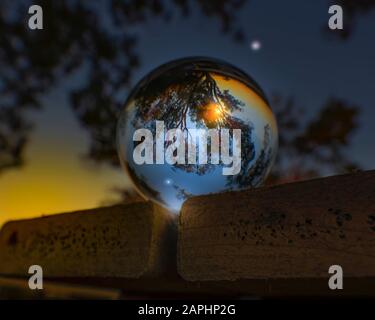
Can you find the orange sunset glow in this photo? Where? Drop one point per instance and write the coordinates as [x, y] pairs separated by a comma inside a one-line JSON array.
[[56, 178]]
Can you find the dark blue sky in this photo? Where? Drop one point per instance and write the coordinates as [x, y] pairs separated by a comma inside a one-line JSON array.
[[296, 59]]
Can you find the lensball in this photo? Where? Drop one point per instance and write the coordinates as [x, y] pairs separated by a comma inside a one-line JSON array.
[[196, 126]]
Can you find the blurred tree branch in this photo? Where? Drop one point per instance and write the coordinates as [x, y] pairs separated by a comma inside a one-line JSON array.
[[99, 38], [94, 35], [310, 148]]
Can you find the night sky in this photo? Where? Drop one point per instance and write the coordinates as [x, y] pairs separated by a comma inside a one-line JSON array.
[[296, 58]]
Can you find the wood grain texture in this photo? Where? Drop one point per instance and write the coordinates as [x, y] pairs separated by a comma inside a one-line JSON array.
[[120, 241], [286, 232], [272, 241]]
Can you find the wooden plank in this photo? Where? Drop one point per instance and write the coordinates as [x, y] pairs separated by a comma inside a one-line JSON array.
[[17, 288], [287, 235], [128, 241], [274, 241]]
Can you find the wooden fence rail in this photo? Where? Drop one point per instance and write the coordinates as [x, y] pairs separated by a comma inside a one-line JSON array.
[[269, 241]]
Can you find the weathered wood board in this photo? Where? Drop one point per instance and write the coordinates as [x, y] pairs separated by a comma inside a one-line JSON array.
[[128, 241], [282, 233], [271, 241]]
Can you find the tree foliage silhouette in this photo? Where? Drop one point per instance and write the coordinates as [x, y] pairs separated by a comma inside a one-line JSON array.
[[190, 92], [314, 147], [94, 35], [98, 38]]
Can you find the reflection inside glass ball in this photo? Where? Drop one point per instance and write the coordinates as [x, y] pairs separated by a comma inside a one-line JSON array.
[[196, 126]]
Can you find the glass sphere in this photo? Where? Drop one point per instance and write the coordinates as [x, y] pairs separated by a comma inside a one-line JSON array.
[[196, 126]]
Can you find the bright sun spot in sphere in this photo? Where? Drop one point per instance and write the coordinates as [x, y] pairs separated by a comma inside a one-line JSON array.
[[213, 112]]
